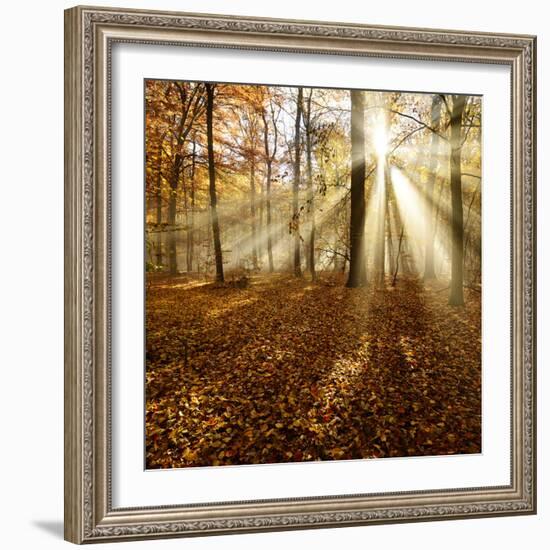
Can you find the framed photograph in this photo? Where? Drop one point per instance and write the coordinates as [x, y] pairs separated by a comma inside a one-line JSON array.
[[300, 274]]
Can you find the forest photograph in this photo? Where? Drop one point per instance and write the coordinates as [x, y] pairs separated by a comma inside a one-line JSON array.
[[312, 274]]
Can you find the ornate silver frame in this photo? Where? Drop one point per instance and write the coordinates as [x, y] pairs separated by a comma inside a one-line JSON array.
[[89, 34]]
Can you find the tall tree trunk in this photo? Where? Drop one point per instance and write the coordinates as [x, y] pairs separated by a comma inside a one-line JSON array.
[[210, 89], [190, 214], [456, 297], [253, 212], [261, 223], [158, 197], [172, 200], [472, 250], [391, 256], [383, 183], [172, 229], [357, 270], [438, 210], [209, 239], [269, 156], [380, 251], [310, 194], [268, 216], [186, 210], [296, 185], [339, 256], [192, 101], [429, 270]]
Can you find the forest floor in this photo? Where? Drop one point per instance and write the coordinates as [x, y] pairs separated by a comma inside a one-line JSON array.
[[288, 370]]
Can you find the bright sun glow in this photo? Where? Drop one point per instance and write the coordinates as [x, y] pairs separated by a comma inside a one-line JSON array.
[[380, 139]]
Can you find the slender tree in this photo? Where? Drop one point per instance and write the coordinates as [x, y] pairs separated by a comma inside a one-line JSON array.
[[269, 155], [357, 271], [389, 197], [456, 297], [158, 201], [191, 106], [382, 196], [210, 95], [249, 121], [296, 183], [383, 185], [429, 270], [310, 192], [252, 180], [191, 220], [172, 203]]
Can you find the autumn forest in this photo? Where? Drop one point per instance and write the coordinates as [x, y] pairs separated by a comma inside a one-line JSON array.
[[313, 274]]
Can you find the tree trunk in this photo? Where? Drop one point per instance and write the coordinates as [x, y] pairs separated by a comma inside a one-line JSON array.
[[429, 270], [290, 241], [310, 194], [253, 213], [269, 156], [268, 217], [393, 212], [380, 254], [296, 186], [191, 226], [396, 269], [456, 297], [172, 203], [471, 250], [437, 212], [261, 223], [383, 183], [391, 256], [186, 210], [158, 196], [357, 272], [212, 182]]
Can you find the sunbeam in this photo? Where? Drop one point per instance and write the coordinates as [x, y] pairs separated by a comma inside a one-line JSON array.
[[310, 254], [415, 213]]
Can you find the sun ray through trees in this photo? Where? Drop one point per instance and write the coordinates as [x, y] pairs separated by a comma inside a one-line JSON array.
[[314, 266]]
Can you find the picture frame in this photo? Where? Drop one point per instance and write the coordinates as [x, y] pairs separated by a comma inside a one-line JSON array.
[[90, 34]]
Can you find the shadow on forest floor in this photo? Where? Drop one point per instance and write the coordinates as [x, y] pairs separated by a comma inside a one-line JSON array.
[[289, 370]]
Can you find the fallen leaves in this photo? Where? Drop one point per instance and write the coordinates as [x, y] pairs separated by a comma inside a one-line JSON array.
[[286, 371]]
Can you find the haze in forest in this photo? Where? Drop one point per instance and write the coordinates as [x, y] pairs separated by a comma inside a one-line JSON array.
[[260, 198], [273, 179]]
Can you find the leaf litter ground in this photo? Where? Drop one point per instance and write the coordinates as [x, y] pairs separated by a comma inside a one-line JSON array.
[[288, 370]]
